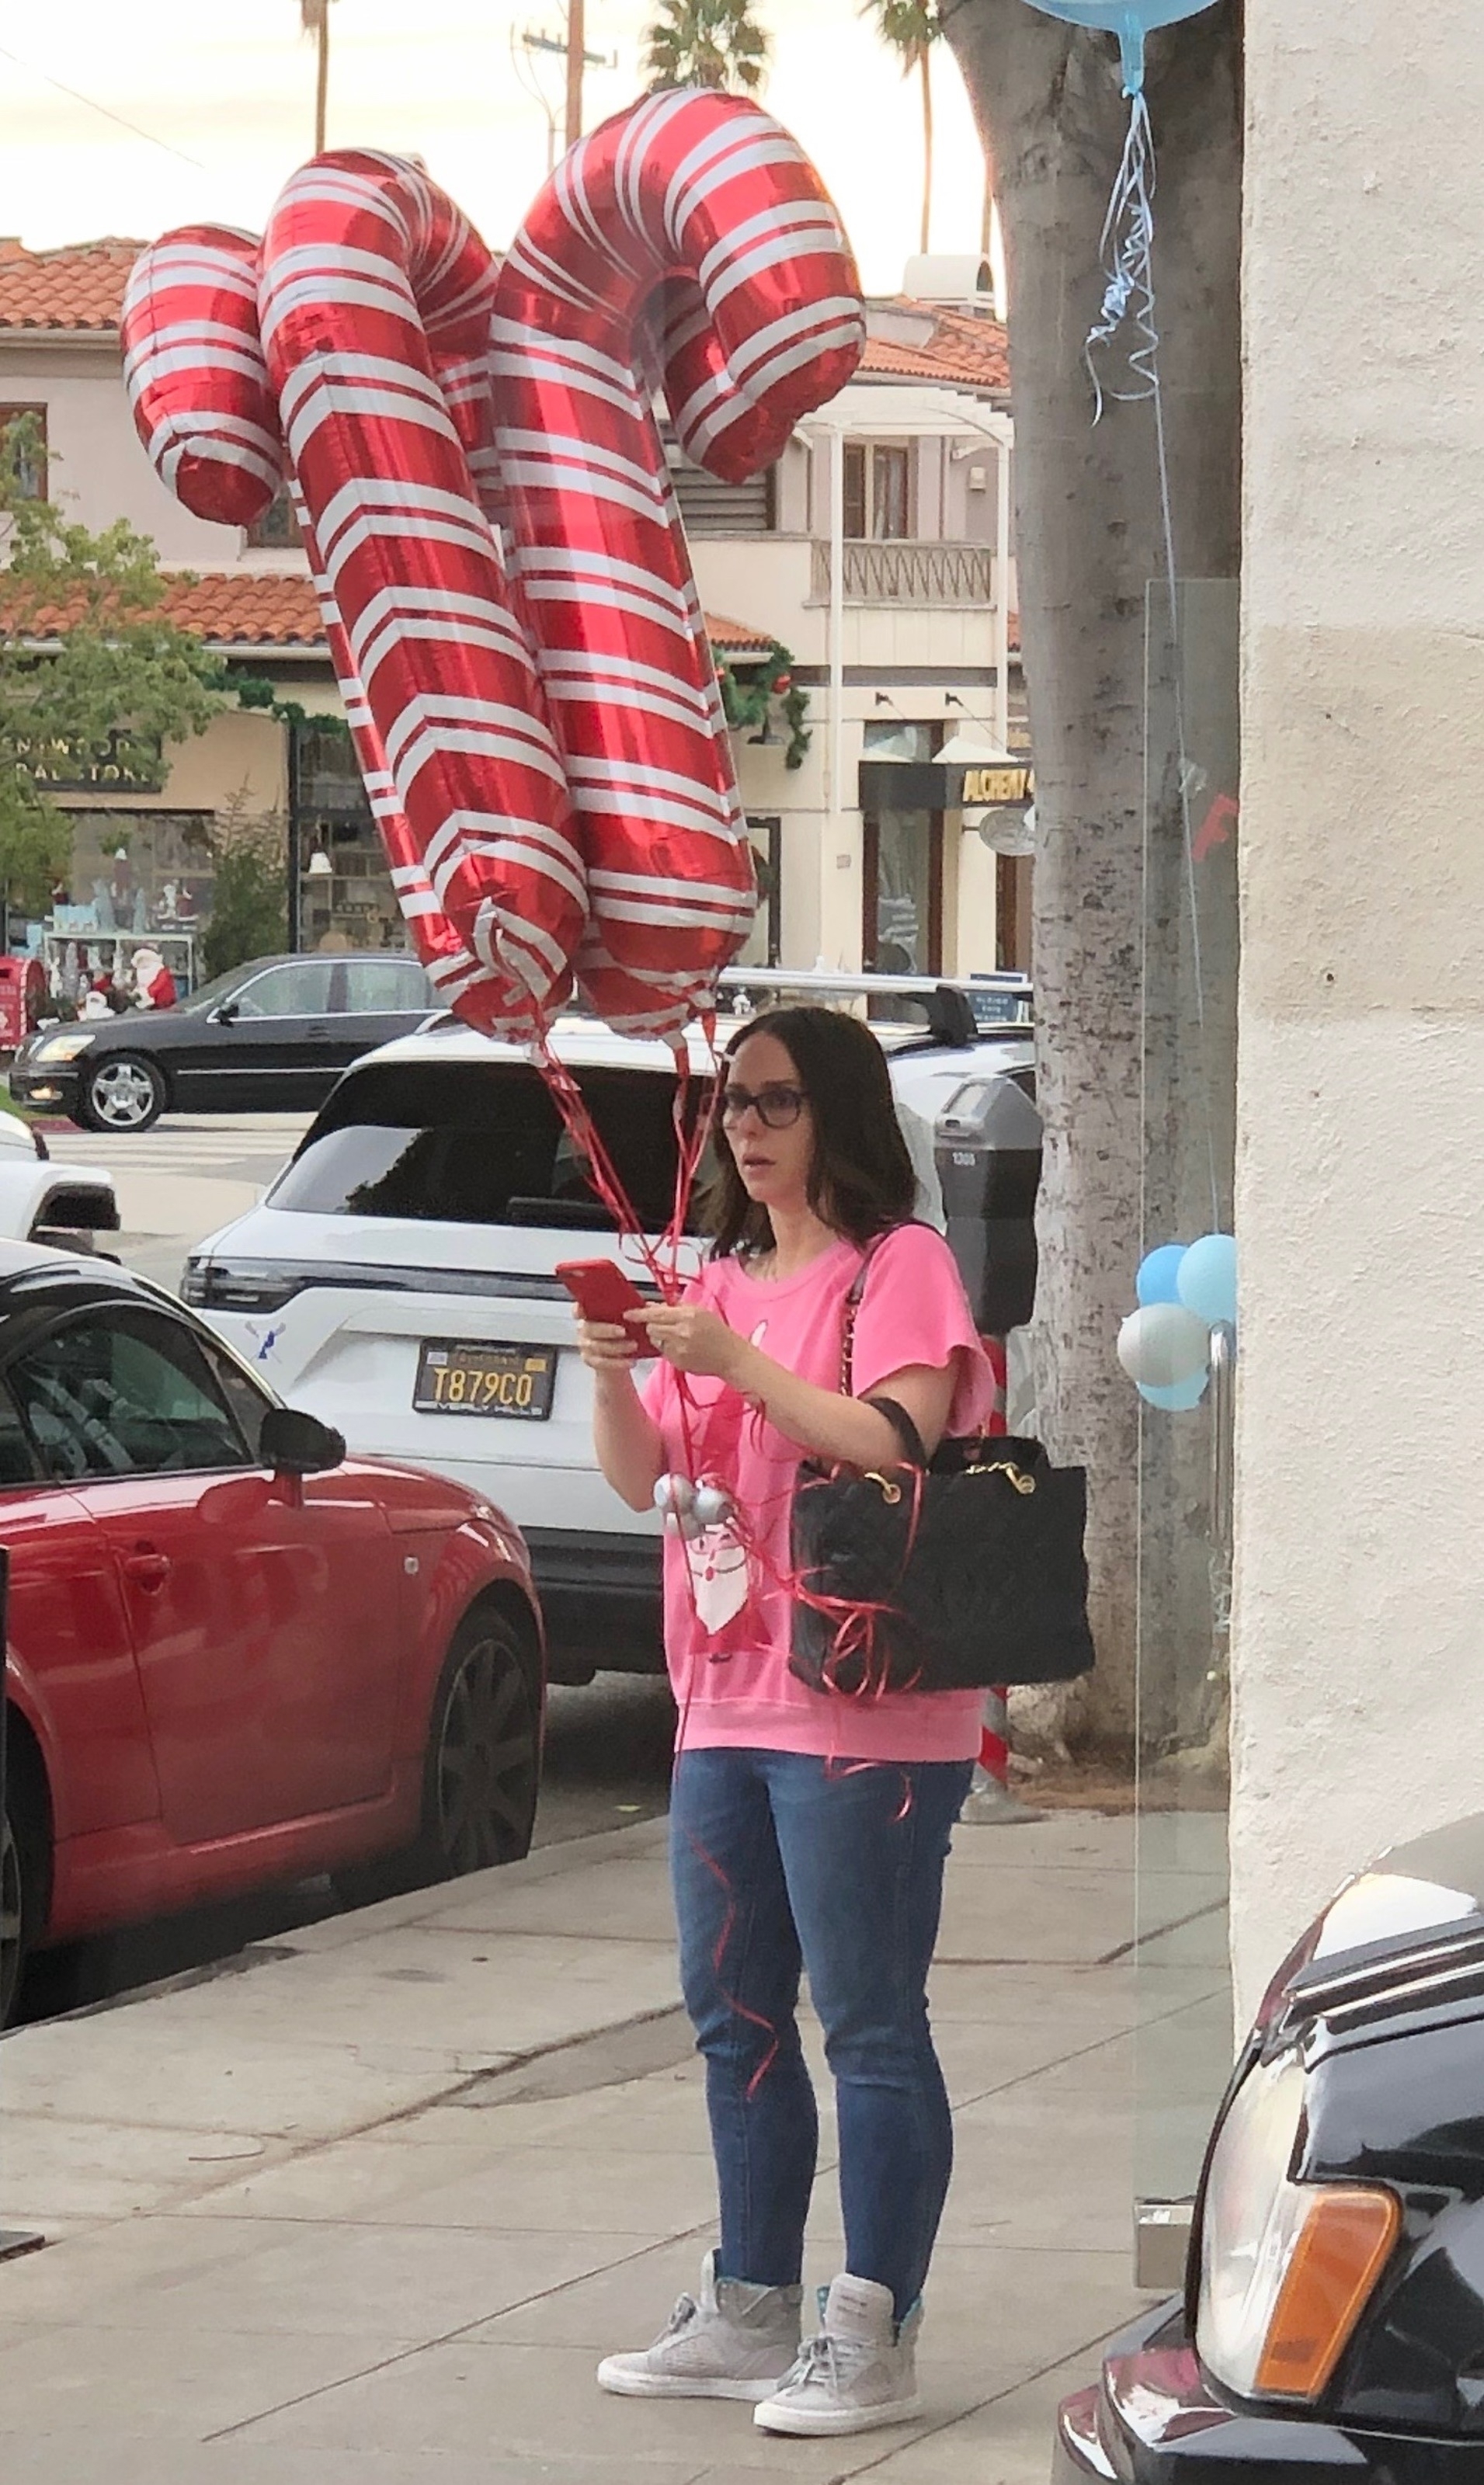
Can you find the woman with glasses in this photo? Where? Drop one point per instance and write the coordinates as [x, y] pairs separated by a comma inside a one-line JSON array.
[[807, 1830]]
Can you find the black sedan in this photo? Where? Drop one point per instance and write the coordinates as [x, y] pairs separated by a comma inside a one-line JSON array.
[[1333, 2319], [272, 1036]]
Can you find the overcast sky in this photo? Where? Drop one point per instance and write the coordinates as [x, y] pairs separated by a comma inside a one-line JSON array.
[[231, 88]]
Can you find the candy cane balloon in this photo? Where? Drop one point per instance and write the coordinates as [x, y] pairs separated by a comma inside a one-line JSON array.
[[373, 302], [689, 231], [688, 244], [434, 669]]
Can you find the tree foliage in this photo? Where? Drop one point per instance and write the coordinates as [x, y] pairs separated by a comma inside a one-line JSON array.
[[88, 663], [250, 906], [705, 42]]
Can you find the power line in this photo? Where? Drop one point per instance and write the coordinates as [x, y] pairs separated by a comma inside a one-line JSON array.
[[93, 104]]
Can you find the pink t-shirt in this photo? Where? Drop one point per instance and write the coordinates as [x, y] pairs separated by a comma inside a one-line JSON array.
[[727, 1625]]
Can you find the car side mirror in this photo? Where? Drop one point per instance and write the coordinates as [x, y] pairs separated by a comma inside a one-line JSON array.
[[224, 1014], [296, 1444]]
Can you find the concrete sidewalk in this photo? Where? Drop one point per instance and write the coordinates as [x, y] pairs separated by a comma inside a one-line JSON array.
[[371, 2204]]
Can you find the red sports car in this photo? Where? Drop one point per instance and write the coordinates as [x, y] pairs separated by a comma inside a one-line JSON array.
[[235, 1657]]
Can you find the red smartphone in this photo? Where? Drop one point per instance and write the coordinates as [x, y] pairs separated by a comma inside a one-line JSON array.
[[600, 1289]]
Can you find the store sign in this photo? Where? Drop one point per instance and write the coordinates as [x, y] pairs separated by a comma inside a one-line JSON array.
[[936, 785], [997, 785], [65, 763]]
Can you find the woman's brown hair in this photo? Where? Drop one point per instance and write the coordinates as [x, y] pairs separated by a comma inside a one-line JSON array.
[[861, 1181]]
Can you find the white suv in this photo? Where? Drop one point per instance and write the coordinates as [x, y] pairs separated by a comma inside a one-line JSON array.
[[398, 1279]]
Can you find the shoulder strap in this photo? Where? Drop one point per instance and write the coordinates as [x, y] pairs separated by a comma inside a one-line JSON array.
[[852, 1305]]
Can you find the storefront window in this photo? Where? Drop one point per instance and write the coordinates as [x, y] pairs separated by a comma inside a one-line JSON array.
[[902, 930]]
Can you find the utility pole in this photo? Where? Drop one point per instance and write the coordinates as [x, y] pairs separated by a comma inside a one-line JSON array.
[[314, 18], [576, 39]]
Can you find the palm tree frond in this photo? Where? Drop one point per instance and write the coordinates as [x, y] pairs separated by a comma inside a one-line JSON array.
[[705, 42]]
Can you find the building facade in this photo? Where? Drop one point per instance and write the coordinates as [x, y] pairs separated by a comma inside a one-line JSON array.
[[869, 571], [1361, 1173]]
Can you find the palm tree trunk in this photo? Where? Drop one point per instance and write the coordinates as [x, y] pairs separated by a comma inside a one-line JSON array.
[[1090, 542], [924, 66], [987, 214], [322, 77], [576, 42]]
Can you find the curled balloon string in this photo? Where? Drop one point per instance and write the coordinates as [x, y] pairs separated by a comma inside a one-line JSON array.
[[719, 1950], [1129, 320], [1127, 250]]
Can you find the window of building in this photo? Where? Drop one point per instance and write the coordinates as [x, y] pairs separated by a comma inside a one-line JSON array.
[[278, 528], [765, 942], [878, 492], [899, 740], [902, 930], [712, 507], [31, 467]]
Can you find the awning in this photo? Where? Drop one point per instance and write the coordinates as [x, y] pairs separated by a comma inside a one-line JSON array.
[[932, 785]]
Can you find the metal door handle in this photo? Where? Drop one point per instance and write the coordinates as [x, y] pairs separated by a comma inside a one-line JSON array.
[[147, 1570]]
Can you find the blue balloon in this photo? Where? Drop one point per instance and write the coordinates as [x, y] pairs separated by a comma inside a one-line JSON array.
[[1158, 1271], [1207, 1283], [1129, 19], [1180, 1395]]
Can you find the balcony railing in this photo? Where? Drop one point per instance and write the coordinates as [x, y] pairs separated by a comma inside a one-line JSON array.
[[908, 573]]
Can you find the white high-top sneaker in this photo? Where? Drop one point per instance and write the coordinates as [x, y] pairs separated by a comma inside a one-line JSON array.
[[861, 2370], [733, 2341]]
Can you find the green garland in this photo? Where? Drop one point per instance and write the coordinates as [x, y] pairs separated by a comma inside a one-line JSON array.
[[750, 703], [254, 691]]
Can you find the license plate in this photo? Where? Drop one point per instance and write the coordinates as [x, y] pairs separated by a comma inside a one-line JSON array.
[[462, 1380]]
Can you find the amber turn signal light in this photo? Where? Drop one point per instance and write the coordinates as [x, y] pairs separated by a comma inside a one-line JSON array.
[[1342, 2248]]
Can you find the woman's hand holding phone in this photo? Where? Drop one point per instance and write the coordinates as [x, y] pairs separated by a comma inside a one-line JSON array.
[[606, 1348]]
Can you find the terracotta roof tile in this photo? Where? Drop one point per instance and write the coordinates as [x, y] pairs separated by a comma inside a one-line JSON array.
[[80, 285], [248, 608], [734, 637], [267, 609], [964, 349]]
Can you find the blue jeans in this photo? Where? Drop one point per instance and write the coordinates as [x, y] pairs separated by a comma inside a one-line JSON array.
[[782, 1861]]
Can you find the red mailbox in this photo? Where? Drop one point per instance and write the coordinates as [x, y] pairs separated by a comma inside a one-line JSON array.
[[23, 997]]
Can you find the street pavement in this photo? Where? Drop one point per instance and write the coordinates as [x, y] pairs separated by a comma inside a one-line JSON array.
[[371, 2204]]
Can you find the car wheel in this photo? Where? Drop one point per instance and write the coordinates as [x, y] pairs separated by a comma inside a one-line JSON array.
[[23, 1878], [482, 1768], [123, 1092]]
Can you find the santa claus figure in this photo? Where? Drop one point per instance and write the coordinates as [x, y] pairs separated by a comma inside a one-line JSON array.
[[155, 986]]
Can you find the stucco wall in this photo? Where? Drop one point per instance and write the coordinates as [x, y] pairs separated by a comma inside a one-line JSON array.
[[1359, 1644], [100, 471]]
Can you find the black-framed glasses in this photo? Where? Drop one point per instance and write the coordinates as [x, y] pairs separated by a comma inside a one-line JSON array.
[[777, 1108]]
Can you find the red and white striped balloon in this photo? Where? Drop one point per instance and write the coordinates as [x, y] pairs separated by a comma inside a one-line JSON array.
[[688, 241], [354, 338], [537, 743]]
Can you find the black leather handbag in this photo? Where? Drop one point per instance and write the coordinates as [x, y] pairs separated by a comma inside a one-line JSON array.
[[955, 1573]]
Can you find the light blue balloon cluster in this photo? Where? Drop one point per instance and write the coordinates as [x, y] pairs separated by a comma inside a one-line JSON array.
[[1185, 1291], [1129, 19]]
